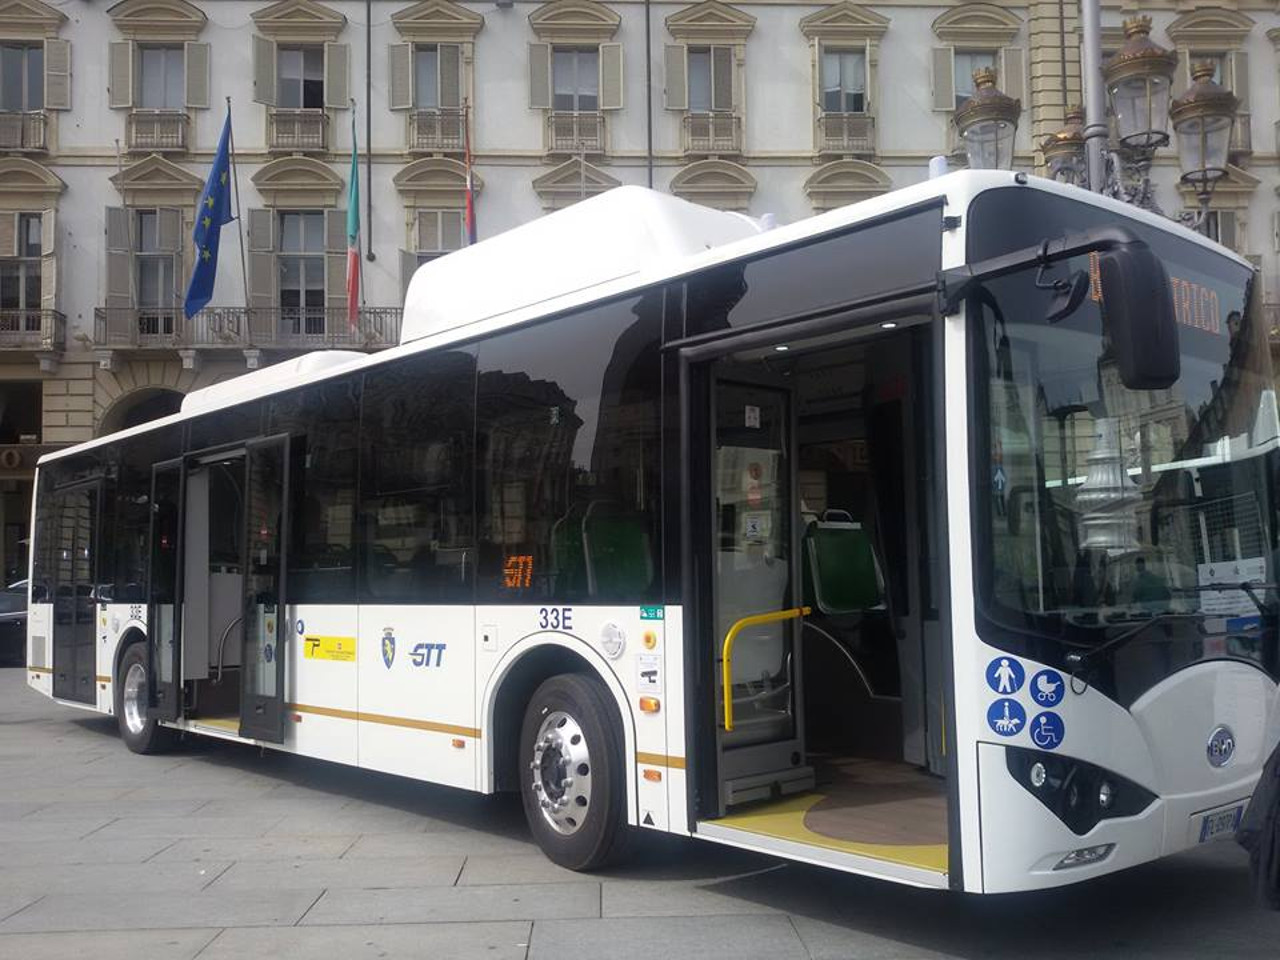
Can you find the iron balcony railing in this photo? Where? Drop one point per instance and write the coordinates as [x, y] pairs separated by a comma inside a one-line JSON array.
[[846, 133], [436, 130], [271, 328], [712, 133], [23, 131], [32, 329], [575, 132], [157, 130], [302, 129]]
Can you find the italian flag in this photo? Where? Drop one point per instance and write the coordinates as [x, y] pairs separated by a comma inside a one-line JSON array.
[[353, 236]]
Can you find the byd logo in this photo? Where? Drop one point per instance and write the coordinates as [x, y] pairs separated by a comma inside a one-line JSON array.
[[1222, 744]]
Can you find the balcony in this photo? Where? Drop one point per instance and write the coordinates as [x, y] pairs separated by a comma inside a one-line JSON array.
[[24, 131], [304, 129], [32, 330], [847, 134], [244, 328], [576, 132], [712, 134], [157, 130], [436, 131]]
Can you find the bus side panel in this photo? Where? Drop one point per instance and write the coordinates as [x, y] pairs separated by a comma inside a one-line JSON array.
[[674, 654], [114, 622], [321, 691], [40, 648]]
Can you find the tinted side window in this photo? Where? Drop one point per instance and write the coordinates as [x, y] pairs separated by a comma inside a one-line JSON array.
[[568, 457], [416, 461], [322, 422], [129, 513], [232, 425]]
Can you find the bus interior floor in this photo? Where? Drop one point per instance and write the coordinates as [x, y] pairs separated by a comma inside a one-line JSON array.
[[876, 808]]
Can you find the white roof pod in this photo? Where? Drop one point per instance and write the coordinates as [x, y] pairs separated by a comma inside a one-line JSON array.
[[257, 382], [615, 234]]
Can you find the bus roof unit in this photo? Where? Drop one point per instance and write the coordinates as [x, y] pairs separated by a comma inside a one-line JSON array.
[[257, 382]]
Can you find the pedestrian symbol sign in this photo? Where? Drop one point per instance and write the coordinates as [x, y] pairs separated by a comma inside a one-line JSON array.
[[1005, 675]]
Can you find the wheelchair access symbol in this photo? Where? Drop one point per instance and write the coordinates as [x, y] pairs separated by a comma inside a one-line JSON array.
[[1047, 688], [1048, 731], [1006, 717]]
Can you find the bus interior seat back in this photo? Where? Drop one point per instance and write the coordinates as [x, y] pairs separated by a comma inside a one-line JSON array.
[[841, 572], [567, 559], [616, 551]]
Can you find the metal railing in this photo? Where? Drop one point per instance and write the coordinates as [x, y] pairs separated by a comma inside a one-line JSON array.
[[23, 131], [32, 329], [575, 132], [846, 133], [157, 130], [302, 129], [431, 130], [272, 328], [712, 133]]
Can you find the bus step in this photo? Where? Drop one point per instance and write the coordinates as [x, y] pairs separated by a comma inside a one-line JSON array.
[[767, 786]]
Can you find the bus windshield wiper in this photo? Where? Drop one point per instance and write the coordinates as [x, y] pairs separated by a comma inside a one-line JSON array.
[[1078, 660], [1248, 587]]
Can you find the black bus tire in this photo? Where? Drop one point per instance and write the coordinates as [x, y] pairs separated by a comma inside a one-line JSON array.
[[141, 734], [572, 780]]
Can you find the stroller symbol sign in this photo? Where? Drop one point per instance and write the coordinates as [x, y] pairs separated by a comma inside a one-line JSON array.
[[1006, 717], [1047, 688]]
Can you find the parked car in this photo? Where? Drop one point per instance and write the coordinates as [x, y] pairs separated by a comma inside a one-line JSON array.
[[13, 623]]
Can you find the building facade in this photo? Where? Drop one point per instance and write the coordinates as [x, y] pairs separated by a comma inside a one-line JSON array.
[[110, 114]]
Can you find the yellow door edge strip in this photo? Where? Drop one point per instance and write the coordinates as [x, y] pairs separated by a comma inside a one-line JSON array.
[[410, 723], [660, 760], [40, 669], [726, 653]]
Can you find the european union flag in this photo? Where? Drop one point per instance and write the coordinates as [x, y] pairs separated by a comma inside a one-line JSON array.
[[213, 212]]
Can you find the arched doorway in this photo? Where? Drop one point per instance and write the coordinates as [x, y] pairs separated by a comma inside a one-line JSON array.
[[137, 407]]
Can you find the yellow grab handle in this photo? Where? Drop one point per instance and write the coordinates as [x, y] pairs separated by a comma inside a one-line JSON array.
[[726, 655]]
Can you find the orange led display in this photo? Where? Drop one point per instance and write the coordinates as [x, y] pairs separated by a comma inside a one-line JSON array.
[[517, 571]]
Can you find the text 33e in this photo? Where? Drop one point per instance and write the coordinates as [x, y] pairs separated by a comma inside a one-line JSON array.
[[555, 618]]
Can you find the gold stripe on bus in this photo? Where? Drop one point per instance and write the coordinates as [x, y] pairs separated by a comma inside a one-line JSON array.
[[101, 679], [660, 760], [412, 724], [40, 669]]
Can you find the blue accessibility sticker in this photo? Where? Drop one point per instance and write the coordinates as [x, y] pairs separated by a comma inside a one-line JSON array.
[[1006, 717], [1047, 688], [1005, 675], [1048, 731]]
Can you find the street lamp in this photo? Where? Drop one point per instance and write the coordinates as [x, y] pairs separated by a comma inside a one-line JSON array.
[[1138, 79], [987, 123], [1202, 120], [1064, 151]]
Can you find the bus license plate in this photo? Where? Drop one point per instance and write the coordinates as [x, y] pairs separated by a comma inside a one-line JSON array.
[[1220, 823]]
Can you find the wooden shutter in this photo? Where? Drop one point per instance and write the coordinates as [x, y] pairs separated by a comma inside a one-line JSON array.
[[449, 59], [868, 100], [120, 74], [8, 234], [119, 257], [262, 258], [57, 74], [944, 78], [335, 260], [196, 60], [427, 232], [169, 240], [722, 85], [611, 76], [1239, 79], [1227, 232], [264, 70], [451, 231], [1012, 73], [400, 92], [1275, 231], [539, 76], [337, 94], [49, 260], [677, 74], [1181, 75]]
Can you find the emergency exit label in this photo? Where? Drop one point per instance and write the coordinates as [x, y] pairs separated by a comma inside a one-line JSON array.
[[341, 649]]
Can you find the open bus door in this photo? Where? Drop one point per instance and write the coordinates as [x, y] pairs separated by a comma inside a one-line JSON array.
[[164, 590], [75, 590]]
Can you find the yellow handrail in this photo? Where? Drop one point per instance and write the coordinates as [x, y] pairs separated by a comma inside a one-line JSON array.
[[726, 655]]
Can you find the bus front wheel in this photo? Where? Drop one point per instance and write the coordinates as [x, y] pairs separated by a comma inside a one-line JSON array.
[[141, 734], [572, 779]]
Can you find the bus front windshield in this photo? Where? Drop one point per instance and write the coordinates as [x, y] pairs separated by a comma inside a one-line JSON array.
[[1125, 534]]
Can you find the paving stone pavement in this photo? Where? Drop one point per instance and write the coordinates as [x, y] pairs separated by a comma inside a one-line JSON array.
[[223, 852]]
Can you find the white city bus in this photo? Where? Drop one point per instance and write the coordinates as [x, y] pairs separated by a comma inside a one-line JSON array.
[[931, 538]]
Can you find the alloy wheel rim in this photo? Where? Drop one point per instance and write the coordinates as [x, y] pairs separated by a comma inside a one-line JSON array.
[[135, 698], [561, 773]]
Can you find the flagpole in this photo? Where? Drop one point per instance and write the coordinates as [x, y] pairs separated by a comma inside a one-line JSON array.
[[235, 189], [369, 185]]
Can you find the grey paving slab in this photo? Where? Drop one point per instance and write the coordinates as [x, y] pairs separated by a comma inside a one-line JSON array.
[[353, 874], [311, 823], [17, 809], [68, 852], [514, 868], [649, 898], [139, 877], [28, 829], [435, 843], [439, 904], [121, 910], [706, 938], [194, 826], [267, 804], [12, 903], [829, 941], [105, 945], [120, 805], [258, 848], [435, 941]]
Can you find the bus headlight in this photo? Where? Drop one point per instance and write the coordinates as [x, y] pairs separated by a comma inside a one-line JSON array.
[[1079, 794]]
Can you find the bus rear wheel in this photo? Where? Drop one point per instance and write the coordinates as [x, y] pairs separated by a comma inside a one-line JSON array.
[[572, 779], [141, 734]]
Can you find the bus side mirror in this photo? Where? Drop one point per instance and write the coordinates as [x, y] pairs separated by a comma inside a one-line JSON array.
[[1137, 306]]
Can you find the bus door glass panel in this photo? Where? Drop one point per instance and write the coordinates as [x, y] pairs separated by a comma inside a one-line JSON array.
[[262, 670], [164, 589], [752, 490], [75, 565]]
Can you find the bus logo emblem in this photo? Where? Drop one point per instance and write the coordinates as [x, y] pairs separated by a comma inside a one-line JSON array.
[[388, 647], [1222, 746]]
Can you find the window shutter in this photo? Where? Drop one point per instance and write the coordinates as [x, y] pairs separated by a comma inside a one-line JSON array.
[[408, 266], [1275, 231], [722, 86], [179, 292], [57, 74], [539, 76], [1181, 75], [169, 230], [49, 260], [120, 74], [1227, 233], [400, 90], [336, 75], [427, 234], [610, 76], [451, 230], [119, 258], [335, 231], [262, 260], [868, 95], [677, 82], [1012, 73], [1239, 78], [196, 58], [264, 70], [335, 261], [262, 230], [944, 78], [450, 55], [8, 234]]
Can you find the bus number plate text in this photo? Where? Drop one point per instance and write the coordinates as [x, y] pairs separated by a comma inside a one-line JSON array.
[[555, 618]]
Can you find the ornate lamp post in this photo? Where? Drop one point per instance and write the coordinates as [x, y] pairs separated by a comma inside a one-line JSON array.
[[987, 123], [1064, 151], [1202, 120]]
